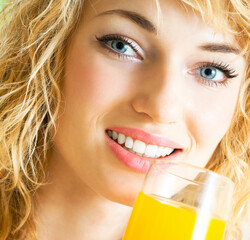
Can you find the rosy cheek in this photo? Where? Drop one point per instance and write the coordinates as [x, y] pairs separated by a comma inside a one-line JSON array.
[[92, 80], [212, 116]]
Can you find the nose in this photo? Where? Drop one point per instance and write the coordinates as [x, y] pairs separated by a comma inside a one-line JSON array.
[[161, 95]]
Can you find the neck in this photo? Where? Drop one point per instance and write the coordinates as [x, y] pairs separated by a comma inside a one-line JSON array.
[[68, 209]]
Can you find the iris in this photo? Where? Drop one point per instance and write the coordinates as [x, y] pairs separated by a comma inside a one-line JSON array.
[[119, 46], [208, 72]]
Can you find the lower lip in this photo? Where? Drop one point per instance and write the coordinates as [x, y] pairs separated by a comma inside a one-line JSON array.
[[133, 161]]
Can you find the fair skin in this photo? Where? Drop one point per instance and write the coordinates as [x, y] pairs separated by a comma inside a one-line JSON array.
[[159, 90]]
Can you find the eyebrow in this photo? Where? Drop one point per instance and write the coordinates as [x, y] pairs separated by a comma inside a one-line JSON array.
[[222, 48], [137, 18], [146, 24]]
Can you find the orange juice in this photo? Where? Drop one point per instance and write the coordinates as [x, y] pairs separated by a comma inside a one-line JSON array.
[[155, 219]]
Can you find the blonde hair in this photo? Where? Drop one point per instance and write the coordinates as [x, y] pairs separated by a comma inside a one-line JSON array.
[[34, 37]]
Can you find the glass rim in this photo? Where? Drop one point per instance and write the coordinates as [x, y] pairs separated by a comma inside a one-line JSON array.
[[155, 162]]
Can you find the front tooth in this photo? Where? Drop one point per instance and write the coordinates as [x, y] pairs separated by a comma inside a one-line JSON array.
[[129, 142], [121, 138], [159, 152], [139, 146], [167, 151], [150, 151], [114, 135]]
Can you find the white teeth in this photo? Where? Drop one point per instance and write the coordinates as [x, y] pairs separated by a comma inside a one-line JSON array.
[[159, 152], [121, 138], [150, 151], [167, 151], [139, 146], [114, 135], [129, 142]]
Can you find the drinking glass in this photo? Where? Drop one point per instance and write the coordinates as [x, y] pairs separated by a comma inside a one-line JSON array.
[[179, 201]]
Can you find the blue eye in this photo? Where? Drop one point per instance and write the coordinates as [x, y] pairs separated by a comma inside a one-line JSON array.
[[119, 46], [212, 73], [122, 46]]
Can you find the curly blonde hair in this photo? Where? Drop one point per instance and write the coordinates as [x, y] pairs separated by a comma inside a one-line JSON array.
[[34, 35]]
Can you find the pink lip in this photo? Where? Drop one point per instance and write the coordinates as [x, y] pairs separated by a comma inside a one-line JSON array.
[[131, 160], [146, 137]]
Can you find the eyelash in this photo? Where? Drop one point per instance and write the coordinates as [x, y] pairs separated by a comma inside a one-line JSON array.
[[104, 39], [223, 67]]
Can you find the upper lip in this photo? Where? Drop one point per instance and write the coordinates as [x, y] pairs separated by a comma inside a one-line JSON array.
[[146, 137]]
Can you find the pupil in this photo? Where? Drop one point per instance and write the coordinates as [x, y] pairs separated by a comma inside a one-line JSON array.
[[208, 71], [120, 45]]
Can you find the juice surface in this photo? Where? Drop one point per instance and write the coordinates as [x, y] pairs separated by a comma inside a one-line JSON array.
[[153, 219]]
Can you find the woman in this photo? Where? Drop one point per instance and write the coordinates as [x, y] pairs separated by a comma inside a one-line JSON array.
[[92, 91]]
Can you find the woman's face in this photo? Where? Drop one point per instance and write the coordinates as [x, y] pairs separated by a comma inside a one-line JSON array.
[[169, 92]]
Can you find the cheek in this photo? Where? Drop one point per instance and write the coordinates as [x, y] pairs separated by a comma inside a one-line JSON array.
[[89, 83], [93, 80], [212, 115]]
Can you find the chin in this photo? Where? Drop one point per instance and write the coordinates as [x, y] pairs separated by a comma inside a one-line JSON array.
[[124, 199], [122, 194]]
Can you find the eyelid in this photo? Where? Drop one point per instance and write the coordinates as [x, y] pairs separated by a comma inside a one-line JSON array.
[[206, 81], [226, 69], [221, 66], [197, 72], [132, 43]]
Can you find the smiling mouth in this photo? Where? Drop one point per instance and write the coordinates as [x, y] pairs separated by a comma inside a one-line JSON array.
[[139, 147]]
